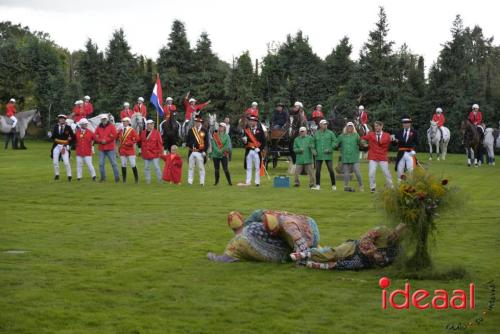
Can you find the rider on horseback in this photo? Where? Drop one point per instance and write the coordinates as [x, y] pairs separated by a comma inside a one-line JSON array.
[[317, 114], [362, 118], [438, 117], [169, 108], [126, 111], [252, 111], [191, 108]]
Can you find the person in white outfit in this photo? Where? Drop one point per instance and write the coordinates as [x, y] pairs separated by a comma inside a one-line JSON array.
[[197, 142], [407, 140], [84, 144], [63, 136], [255, 140]]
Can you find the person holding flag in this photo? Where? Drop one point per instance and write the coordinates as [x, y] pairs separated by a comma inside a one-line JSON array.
[[191, 107], [140, 107], [254, 139], [128, 137], [220, 152], [197, 142], [169, 108]]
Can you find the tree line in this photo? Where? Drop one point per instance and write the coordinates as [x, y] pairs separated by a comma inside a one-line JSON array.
[[388, 81]]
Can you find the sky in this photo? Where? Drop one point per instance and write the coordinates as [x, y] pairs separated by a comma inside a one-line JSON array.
[[236, 26]]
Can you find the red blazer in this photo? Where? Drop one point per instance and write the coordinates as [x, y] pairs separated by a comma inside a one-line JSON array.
[[84, 142], [108, 135], [152, 146], [439, 119], [190, 109], [252, 112], [377, 151], [168, 110], [126, 113], [172, 172], [317, 114], [78, 113], [363, 118], [142, 110], [127, 143], [476, 119], [89, 108], [10, 109]]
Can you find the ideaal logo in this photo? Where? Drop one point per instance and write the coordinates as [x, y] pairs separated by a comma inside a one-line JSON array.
[[440, 300]]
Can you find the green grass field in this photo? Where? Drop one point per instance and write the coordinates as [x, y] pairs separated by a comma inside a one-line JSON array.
[[126, 258]]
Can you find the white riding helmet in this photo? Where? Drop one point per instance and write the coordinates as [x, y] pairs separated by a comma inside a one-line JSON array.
[[475, 106], [86, 97], [126, 119], [361, 108], [192, 100], [298, 104], [12, 100], [319, 106], [78, 102], [439, 110], [83, 121], [103, 116], [169, 99], [149, 121], [126, 104], [141, 99], [254, 104]]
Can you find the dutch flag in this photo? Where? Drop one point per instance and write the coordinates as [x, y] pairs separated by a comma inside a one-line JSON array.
[[156, 97]]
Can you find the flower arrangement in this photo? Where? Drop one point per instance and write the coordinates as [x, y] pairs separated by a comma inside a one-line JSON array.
[[417, 201]]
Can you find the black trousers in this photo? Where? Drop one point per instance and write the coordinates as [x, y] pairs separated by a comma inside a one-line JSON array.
[[217, 163], [329, 165]]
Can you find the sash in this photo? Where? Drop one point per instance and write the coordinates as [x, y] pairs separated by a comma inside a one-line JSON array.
[[253, 142], [199, 139], [125, 136], [218, 141]]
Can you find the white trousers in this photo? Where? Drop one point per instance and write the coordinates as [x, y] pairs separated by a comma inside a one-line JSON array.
[[14, 121], [79, 166], [372, 169], [130, 158], [253, 158], [65, 157], [406, 160], [196, 158]]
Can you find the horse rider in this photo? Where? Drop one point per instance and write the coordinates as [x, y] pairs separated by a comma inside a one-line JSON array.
[[87, 106], [126, 111], [280, 116], [254, 140], [317, 114], [169, 108], [191, 108], [407, 139], [253, 110], [140, 107], [298, 108], [197, 142], [438, 117], [63, 137], [475, 115], [10, 114], [128, 137], [78, 111], [362, 118]]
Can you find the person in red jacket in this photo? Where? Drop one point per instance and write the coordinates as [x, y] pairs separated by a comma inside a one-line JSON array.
[[363, 118], [10, 114], [140, 107], [78, 111], [475, 116], [105, 136], [151, 150], [84, 143], [128, 137], [126, 111], [87, 106], [317, 114], [191, 108], [438, 117], [172, 172], [253, 111], [378, 146], [169, 108]]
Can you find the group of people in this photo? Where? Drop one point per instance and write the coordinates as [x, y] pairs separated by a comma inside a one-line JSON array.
[[280, 236]]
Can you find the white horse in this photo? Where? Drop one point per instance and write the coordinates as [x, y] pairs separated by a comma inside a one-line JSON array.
[[137, 122], [441, 143], [96, 120], [491, 141], [23, 120]]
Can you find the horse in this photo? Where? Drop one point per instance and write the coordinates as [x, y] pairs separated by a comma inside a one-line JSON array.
[[335, 121], [23, 120], [137, 122], [170, 130], [434, 138], [470, 140], [491, 141]]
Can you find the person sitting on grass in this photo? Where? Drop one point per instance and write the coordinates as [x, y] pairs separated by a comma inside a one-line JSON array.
[[303, 146], [378, 247], [172, 172]]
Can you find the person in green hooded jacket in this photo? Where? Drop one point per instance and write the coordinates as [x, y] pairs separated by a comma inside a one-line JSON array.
[[303, 146], [324, 143], [349, 142], [220, 143]]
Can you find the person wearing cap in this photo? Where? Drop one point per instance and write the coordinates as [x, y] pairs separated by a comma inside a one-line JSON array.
[[325, 141], [10, 114], [151, 150], [63, 137], [140, 107], [475, 115], [126, 112], [105, 136], [407, 140], [128, 137], [253, 110], [362, 118], [379, 247], [87, 106], [251, 242], [317, 114], [298, 109], [349, 142], [220, 143], [191, 108], [280, 116], [303, 146], [172, 171], [378, 148], [84, 142], [169, 108], [254, 140], [197, 141], [78, 111], [438, 117]]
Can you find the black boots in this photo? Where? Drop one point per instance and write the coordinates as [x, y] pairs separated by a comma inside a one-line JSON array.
[[124, 174], [228, 177], [217, 176], [136, 174]]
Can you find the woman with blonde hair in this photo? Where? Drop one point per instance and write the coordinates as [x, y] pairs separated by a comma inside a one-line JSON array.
[[349, 142]]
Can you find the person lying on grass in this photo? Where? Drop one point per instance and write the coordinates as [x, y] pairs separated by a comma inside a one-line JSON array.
[[378, 247]]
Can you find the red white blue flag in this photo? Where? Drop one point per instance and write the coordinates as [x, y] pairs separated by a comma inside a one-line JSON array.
[[156, 97]]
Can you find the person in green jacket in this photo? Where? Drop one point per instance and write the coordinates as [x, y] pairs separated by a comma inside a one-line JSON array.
[[221, 146], [349, 149], [324, 143], [303, 147]]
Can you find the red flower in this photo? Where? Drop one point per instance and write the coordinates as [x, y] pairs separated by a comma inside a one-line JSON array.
[[403, 177], [421, 196], [444, 182]]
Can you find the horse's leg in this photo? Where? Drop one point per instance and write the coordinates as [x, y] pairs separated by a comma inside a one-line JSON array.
[[430, 150], [468, 153], [437, 149]]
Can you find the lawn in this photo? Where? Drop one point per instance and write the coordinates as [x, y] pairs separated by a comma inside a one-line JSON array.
[[126, 258]]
